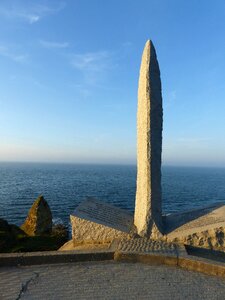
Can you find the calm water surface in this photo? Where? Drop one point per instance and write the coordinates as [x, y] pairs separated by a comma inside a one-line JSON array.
[[64, 186]]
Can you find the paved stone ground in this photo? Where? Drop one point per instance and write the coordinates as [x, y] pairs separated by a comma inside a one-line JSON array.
[[147, 246], [106, 280]]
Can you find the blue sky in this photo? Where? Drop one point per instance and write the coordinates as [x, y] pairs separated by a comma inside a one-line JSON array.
[[69, 76]]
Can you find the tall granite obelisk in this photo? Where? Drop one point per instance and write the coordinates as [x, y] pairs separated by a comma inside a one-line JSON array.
[[148, 212]]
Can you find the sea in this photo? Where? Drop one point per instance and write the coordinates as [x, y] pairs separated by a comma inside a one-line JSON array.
[[64, 186]]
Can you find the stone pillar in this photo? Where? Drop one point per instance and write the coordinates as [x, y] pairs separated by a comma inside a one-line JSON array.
[[148, 212]]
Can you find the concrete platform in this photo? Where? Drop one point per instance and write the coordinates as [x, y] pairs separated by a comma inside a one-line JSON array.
[[128, 269], [106, 280], [143, 250]]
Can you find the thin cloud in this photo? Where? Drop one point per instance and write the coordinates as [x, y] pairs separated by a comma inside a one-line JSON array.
[[17, 57], [32, 18], [49, 45], [94, 66], [96, 61], [27, 11]]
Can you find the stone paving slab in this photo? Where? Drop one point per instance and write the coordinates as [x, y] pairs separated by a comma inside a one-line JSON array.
[[154, 252], [148, 246], [106, 280]]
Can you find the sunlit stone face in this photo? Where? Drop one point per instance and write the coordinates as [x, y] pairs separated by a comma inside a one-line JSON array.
[[147, 217]]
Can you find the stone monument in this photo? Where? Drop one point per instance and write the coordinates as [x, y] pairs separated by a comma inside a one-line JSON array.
[[96, 222], [148, 212]]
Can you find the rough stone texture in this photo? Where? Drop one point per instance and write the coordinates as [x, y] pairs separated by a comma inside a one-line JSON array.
[[87, 232], [94, 222], [149, 146], [69, 246], [107, 280], [39, 219], [210, 239], [144, 245], [200, 227], [105, 214]]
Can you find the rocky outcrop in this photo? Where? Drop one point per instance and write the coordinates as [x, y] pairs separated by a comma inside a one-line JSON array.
[[60, 231], [39, 219], [9, 234], [4, 225]]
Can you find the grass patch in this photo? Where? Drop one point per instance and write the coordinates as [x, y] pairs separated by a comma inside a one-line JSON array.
[[15, 240]]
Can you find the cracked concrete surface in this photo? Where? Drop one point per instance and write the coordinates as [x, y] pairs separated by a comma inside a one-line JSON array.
[[106, 280], [25, 284]]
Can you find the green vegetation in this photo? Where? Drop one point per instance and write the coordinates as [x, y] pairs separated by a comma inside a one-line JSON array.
[[14, 239]]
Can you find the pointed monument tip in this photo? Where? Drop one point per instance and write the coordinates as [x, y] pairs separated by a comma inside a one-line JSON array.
[[149, 48], [149, 44]]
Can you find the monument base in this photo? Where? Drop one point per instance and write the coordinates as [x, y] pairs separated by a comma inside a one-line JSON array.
[[95, 222], [200, 227]]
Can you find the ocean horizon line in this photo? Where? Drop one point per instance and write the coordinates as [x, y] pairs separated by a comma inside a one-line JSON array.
[[107, 164]]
